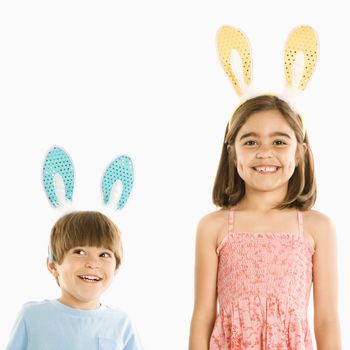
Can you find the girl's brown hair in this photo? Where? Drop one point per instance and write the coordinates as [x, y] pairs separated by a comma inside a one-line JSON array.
[[84, 228], [229, 188]]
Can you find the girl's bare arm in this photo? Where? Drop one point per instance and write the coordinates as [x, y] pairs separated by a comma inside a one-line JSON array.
[[325, 279], [205, 305]]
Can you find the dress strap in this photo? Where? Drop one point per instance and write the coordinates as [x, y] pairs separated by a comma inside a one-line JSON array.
[[231, 219], [301, 223]]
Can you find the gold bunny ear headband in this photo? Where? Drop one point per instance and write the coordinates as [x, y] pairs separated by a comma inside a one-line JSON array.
[[300, 54]]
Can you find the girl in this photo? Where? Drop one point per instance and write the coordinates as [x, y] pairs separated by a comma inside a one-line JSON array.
[[259, 254]]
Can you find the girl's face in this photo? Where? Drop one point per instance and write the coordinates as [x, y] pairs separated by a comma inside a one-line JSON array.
[[265, 148], [84, 274]]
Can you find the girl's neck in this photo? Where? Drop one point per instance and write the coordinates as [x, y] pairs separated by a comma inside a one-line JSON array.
[[261, 201]]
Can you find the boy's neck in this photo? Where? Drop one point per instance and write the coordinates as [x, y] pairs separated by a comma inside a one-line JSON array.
[[76, 304]]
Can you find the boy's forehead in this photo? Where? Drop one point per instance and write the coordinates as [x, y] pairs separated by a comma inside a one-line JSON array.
[[84, 246]]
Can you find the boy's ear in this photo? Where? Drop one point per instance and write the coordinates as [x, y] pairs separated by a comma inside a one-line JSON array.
[[51, 266]]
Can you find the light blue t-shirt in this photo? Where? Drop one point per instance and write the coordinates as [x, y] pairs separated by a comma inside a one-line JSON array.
[[50, 325]]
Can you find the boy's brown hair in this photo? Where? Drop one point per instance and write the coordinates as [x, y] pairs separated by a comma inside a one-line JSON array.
[[229, 188], [84, 228]]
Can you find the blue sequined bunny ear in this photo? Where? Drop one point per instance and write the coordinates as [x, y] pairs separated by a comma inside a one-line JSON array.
[[58, 177], [119, 172]]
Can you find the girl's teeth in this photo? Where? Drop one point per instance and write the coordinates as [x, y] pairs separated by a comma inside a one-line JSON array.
[[266, 169]]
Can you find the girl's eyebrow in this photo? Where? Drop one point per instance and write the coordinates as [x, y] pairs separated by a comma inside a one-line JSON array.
[[254, 134], [248, 134]]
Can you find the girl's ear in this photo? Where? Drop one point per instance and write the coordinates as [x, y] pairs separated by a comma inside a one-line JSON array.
[[51, 266], [304, 147], [300, 153], [117, 182], [58, 177], [230, 149]]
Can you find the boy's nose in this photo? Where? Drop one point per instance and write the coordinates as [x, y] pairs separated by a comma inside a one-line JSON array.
[[93, 263]]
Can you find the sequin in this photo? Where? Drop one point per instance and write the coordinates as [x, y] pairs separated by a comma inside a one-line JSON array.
[[302, 39], [57, 161], [230, 39], [121, 169]]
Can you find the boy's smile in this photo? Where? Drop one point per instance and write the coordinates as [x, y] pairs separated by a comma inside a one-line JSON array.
[[84, 274], [90, 278]]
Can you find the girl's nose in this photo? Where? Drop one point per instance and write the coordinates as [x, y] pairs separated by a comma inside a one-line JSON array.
[[264, 153]]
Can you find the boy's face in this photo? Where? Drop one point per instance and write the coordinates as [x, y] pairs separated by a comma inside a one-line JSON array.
[[84, 274]]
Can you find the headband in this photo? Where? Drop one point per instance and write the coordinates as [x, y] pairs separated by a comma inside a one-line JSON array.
[[300, 55], [58, 180]]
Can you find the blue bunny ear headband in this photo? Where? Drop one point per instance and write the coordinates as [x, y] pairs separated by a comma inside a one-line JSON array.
[[58, 181], [300, 56]]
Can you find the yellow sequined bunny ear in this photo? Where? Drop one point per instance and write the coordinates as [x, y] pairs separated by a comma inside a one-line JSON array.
[[235, 56], [300, 57]]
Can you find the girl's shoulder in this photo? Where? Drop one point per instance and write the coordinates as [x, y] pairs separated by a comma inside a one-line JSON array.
[[319, 225], [215, 218], [315, 219], [213, 224]]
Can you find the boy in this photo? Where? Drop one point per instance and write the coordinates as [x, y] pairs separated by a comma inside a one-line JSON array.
[[85, 254]]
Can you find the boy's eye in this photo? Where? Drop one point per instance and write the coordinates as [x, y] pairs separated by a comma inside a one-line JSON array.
[[79, 252]]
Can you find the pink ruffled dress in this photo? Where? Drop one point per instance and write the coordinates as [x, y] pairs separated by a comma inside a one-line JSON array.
[[264, 283]]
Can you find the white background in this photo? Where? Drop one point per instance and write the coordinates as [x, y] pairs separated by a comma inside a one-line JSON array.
[[102, 78]]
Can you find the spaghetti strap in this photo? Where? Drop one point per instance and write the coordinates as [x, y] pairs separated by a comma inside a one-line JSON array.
[[230, 230], [231, 216], [301, 223]]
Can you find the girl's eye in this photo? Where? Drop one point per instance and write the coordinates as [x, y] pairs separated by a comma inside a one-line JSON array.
[[250, 143], [105, 255], [279, 142]]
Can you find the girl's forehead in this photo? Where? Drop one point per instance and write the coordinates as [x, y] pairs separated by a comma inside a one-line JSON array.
[[266, 122]]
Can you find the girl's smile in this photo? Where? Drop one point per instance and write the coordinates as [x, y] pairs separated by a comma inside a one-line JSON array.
[[265, 152], [266, 169]]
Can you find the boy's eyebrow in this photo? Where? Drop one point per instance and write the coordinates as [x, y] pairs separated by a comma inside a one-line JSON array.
[[103, 248], [254, 134], [86, 246]]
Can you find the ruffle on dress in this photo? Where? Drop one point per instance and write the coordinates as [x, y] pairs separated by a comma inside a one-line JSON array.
[[246, 325]]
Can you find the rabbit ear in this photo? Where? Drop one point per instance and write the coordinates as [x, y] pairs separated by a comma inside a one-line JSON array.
[[58, 177], [235, 56], [117, 182], [300, 55]]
